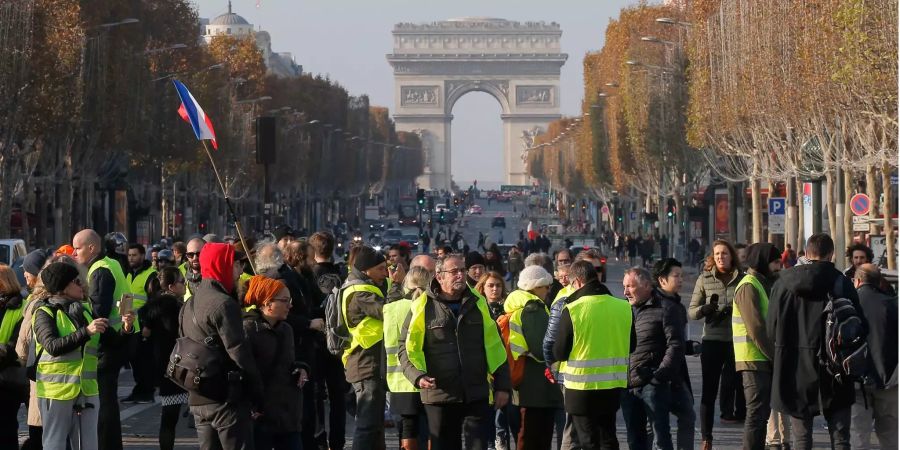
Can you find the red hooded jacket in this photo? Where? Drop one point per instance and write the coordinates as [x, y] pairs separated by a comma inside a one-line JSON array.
[[217, 263]]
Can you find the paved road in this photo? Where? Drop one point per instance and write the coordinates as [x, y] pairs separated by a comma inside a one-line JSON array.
[[141, 422]]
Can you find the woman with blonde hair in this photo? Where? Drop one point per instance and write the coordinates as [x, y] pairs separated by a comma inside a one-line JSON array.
[[11, 394]]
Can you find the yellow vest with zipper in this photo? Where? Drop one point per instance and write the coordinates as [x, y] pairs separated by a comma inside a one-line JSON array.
[[394, 315], [744, 347], [514, 305], [11, 318], [368, 331], [66, 376], [563, 293], [601, 325], [495, 351], [122, 288]]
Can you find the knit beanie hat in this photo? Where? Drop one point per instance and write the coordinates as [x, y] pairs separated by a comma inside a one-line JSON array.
[[534, 276], [261, 290], [57, 276], [281, 231], [367, 258], [34, 261], [474, 259]]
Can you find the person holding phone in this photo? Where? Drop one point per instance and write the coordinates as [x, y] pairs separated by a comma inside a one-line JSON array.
[[712, 302]]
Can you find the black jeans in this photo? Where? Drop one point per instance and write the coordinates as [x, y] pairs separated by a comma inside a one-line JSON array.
[[9, 422], [757, 391], [449, 422], [370, 400], [536, 432], [168, 420], [333, 380], [838, 429], [142, 367], [717, 362], [223, 426], [596, 431], [109, 429]]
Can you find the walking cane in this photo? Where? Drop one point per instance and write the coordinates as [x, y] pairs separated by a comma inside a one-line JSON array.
[[78, 410]]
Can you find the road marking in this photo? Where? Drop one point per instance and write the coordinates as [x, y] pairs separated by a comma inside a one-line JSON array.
[[134, 410]]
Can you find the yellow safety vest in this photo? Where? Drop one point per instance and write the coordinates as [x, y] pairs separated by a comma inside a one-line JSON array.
[[602, 336], [122, 288], [138, 284], [11, 318], [563, 293], [63, 377], [368, 331], [394, 315], [494, 350], [744, 347], [514, 305]]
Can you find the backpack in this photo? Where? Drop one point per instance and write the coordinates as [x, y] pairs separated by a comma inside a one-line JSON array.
[[846, 351], [328, 282], [337, 335], [516, 366]]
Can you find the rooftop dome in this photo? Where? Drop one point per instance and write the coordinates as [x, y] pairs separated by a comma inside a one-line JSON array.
[[229, 18]]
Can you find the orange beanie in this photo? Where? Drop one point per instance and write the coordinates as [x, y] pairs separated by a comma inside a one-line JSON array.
[[261, 290]]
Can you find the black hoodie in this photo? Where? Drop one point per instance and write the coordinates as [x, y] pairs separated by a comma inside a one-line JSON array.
[[796, 325]]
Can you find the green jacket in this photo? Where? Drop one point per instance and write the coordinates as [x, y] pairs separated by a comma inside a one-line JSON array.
[[536, 391]]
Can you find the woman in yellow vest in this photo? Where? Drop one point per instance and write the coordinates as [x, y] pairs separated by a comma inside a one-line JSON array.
[[67, 337], [539, 397], [11, 396], [405, 400], [753, 349]]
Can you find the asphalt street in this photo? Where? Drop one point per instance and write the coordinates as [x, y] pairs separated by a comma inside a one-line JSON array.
[[140, 422]]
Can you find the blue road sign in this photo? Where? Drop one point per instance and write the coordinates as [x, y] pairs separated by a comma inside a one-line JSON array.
[[859, 204], [777, 206]]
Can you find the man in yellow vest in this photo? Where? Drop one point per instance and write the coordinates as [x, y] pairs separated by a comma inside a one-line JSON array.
[[593, 341], [140, 277], [191, 267], [362, 300], [67, 336], [753, 350], [452, 351], [106, 286]]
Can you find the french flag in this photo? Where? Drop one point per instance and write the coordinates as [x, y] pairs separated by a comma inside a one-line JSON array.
[[192, 113]]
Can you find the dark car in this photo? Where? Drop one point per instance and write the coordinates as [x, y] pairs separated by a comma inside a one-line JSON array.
[[377, 226], [498, 222], [602, 269]]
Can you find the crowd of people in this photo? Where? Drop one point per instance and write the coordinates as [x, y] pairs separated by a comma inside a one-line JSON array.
[[271, 345]]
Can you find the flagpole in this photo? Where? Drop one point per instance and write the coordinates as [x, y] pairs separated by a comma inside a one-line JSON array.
[[237, 223]]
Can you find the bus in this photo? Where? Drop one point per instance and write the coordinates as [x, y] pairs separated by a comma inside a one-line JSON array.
[[408, 214]]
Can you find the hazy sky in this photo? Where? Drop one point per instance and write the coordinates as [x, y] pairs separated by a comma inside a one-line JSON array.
[[348, 40]]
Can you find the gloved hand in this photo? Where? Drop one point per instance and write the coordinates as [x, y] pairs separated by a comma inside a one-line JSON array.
[[708, 309], [548, 374]]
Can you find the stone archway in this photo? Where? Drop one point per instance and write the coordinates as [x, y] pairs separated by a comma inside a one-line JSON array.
[[436, 64]]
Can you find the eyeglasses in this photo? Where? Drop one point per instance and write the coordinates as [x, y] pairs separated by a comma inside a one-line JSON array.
[[287, 300], [454, 272], [192, 255], [563, 261]]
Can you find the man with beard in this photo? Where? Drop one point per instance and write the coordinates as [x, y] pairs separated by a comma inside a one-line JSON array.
[[191, 268]]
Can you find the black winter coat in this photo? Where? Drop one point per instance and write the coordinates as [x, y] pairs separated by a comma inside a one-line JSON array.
[[658, 356], [273, 350], [880, 310], [796, 324]]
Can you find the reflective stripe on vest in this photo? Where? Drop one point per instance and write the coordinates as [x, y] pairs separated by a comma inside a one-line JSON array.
[[495, 351], [394, 315], [11, 318], [563, 293], [66, 376], [518, 346], [744, 347], [601, 325], [368, 331], [122, 288]]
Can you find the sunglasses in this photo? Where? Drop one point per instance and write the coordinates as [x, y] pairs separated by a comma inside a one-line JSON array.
[[192, 255]]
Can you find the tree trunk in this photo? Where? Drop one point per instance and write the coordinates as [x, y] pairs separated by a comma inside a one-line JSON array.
[[887, 211], [792, 221], [756, 204], [830, 201], [801, 243], [771, 237], [848, 219], [872, 192]]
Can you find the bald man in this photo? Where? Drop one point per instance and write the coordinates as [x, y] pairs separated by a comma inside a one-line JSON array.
[[106, 286], [191, 267]]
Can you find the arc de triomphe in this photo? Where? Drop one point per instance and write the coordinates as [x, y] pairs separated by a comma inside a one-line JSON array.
[[436, 64]]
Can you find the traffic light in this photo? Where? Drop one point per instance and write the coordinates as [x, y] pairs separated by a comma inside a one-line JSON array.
[[619, 218], [420, 197], [671, 209]]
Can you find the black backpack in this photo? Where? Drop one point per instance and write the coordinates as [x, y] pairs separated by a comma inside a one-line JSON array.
[[845, 352]]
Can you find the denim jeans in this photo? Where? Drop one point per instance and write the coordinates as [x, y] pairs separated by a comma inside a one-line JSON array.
[[370, 401], [654, 403], [838, 429]]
